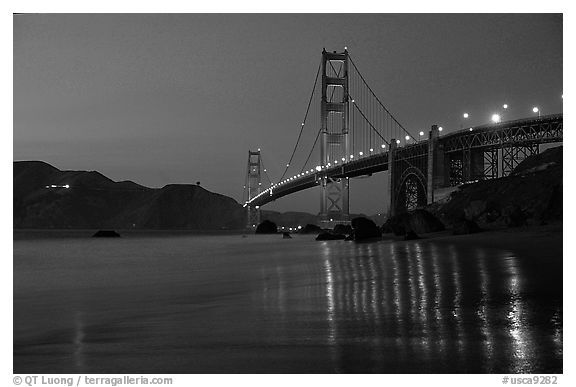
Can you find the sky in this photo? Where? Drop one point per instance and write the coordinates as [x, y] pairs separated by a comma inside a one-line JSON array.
[[180, 98]]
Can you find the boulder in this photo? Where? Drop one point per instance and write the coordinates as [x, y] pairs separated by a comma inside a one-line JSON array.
[[475, 208], [328, 236], [422, 222], [106, 234], [394, 225], [310, 229], [286, 235], [343, 229], [364, 228], [418, 221], [513, 216], [267, 227]]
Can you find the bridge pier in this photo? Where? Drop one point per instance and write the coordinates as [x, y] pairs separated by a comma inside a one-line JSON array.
[[335, 139], [391, 179], [438, 168], [253, 187], [472, 164]]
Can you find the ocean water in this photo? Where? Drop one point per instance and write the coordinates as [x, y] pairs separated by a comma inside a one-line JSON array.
[[162, 303]]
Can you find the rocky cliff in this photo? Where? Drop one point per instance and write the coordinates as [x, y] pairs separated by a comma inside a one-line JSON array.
[[531, 195]]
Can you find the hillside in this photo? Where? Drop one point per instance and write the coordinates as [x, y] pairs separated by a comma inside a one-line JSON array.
[[94, 201]]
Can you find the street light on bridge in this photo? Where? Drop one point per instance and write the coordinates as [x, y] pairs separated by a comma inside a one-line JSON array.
[[505, 107], [536, 110], [465, 115], [496, 118], [420, 135]]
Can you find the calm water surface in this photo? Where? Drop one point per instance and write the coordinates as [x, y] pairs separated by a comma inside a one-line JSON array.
[[211, 304]]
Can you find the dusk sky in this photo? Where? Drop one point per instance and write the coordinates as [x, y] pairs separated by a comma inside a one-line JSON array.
[[161, 99]]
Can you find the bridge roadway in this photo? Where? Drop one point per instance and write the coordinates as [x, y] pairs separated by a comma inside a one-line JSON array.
[[529, 131]]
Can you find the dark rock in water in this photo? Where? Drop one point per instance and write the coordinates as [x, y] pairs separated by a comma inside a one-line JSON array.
[[343, 229], [410, 236], [349, 237], [286, 235], [106, 234], [327, 236], [365, 229], [267, 227], [310, 229], [465, 226]]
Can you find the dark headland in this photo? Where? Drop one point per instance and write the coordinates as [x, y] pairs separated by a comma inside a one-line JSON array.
[[48, 198]]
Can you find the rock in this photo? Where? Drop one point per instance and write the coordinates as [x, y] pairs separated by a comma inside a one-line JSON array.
[[514, 217], [465, 226], [328, 236], [475, 209], [343, 229], [267, 227], [394, 225], [310, 229], [364, 228], [106, 234], [410, 236], [286, 235], [418, 221], [422, 222]]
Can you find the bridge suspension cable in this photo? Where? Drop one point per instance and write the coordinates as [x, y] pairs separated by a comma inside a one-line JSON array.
[[378, 99], [303, 122], [265, 170]]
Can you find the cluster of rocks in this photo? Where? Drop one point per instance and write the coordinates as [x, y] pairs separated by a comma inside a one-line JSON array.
[[360, 229]]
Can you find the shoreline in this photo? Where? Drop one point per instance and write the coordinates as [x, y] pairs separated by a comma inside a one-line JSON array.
[[492, 236]]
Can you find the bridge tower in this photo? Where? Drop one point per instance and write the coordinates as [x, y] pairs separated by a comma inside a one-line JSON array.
[[253, 187], [335, 142]]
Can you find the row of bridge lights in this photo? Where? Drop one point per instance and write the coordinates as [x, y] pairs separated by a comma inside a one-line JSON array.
[[496, 118]]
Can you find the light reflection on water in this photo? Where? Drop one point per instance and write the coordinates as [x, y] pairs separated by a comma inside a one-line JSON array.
[[384, 307], [445, 331]]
